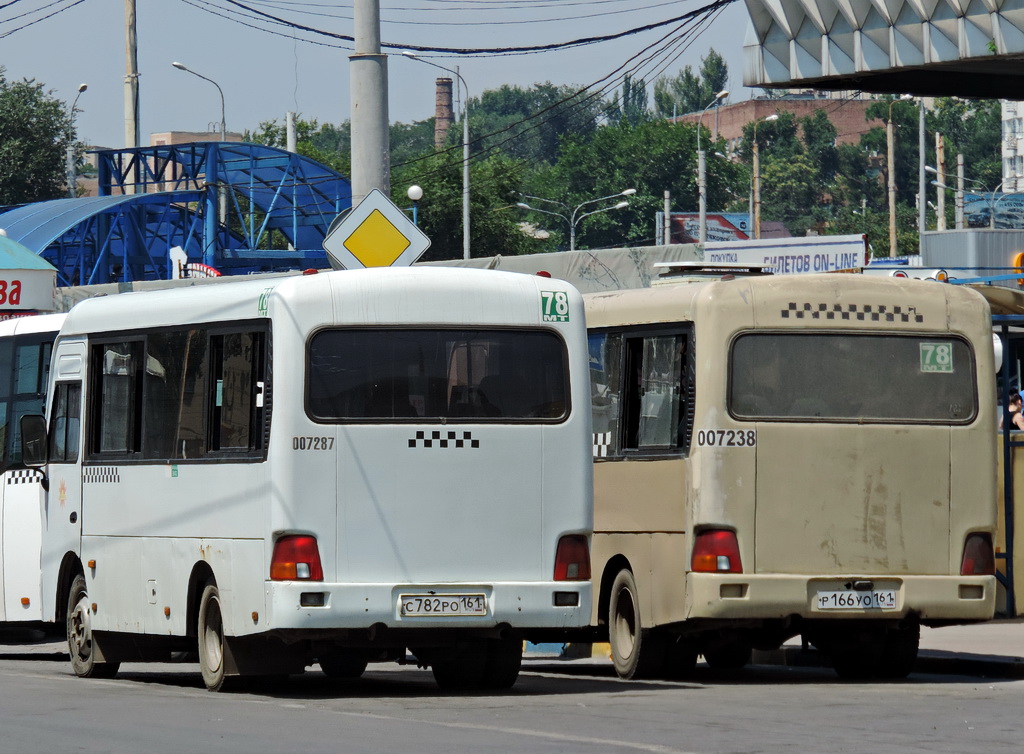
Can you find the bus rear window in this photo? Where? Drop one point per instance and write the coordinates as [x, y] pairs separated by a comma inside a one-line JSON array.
[[842, 377], [420, 374]]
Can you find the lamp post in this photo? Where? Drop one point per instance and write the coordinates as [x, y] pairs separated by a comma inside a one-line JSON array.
[[183, 67], [890, 142], [757, 174], [702, 187], [415, 193], [72, 173], [465, 148], [575, 217], [992, 201]]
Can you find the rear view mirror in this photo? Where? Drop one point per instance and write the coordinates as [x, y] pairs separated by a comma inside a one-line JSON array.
[[33, 440]]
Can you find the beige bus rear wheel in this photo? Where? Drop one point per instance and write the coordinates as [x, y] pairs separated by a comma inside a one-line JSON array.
[[636, 652]]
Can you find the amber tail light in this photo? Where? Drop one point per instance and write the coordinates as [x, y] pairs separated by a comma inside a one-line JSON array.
[[572, 558], [979, 558], [716, 551], [296, 558]]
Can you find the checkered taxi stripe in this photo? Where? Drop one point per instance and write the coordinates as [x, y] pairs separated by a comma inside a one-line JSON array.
[[24, 476], [101, 475], [858, 312], [602, 442], [439, 439]]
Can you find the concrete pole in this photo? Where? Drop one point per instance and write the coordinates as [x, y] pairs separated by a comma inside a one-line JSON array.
[[465, 167], [702, 194], [757, 189], [890, 140], [371, 158], [666, 237], [289, 128], [940, 193], [960, 192], [922, 183], [131, 77]]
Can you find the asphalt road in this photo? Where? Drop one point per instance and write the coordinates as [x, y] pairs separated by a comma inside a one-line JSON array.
[[555, 707]]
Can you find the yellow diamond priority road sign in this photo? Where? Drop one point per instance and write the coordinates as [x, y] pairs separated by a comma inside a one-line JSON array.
[[375, 233]]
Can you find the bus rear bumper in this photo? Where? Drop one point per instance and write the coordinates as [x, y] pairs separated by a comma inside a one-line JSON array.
[[517, 605], [771, 596]]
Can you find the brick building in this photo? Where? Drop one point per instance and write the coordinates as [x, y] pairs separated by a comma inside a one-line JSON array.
[[847, 114]]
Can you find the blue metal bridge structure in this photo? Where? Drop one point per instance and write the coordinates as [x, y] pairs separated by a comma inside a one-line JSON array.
[[235, 208]]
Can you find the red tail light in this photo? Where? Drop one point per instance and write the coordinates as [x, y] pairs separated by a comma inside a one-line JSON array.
[[296, 558], [572, 558], [979, 558], [716, 551]]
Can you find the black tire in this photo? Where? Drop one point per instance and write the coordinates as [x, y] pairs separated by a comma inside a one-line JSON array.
[[680, 657], [730, 655], [504, 660], [636, 652], [340, 665], [212, 645], [81, 642], [899, 654]]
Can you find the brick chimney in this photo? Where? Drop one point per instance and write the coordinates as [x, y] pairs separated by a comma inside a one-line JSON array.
[[443, 114]]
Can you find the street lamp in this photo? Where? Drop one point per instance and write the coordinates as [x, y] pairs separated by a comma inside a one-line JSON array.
[[890, 141], [574, 218], [757, 174], [702, 186], [992, 201], [72, 173], [465, 148], [415, 193], [183, 67]]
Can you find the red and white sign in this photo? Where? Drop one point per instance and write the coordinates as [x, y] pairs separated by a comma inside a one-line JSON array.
[[26, 290]]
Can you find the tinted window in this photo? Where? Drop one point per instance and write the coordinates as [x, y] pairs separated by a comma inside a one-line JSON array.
[[843, 377], [462, 375]]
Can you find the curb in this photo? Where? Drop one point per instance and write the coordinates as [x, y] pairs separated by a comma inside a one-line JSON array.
[[931, 662]]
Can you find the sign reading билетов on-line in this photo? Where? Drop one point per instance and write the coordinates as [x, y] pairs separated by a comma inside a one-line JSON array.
[[793, 256], [375, 233]]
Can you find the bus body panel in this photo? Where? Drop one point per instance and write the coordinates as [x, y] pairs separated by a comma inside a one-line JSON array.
[[389, 518], [24, 341], [814, 505]]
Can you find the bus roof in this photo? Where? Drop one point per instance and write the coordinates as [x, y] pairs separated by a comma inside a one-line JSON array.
[[443, 295]]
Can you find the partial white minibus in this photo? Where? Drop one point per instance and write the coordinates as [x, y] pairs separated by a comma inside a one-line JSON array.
[[790, 455], [25, 345], [332, 468]]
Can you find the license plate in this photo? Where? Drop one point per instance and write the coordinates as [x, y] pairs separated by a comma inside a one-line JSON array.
[[879, 599], [441, 605]]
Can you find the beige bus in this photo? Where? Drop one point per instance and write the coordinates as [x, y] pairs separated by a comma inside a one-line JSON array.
[[790, 455]]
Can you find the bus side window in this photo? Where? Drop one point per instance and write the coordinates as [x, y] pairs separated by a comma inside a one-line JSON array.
[[237, 392], [657, 397], [605, 383], [117, 398], [65, 422]]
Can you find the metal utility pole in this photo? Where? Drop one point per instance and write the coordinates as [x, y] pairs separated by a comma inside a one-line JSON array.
[[371, 158], [70, 166], [959, 192], [922, 184], [667, 220], [131, 78], [940, 194]]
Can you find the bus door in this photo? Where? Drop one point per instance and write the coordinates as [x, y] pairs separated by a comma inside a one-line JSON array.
[[62, 511], [24, 364]]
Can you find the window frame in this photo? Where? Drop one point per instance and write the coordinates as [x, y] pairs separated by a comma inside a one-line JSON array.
[[435, 420], [640, 334], [260, 416]]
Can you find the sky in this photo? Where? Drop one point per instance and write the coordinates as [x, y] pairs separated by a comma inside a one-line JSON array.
[[270, 69]]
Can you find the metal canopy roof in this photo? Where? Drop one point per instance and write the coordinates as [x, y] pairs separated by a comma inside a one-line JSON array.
[[966, 48], [232, 206]]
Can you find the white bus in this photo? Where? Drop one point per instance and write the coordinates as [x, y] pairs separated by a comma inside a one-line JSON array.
[[790, 455], [25, 345], [330, 468]]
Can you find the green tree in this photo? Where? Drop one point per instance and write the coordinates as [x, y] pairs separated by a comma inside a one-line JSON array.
[[633, 107], [327, 144], [528, 124], [687, 92], [35, 131], [652, 157]]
